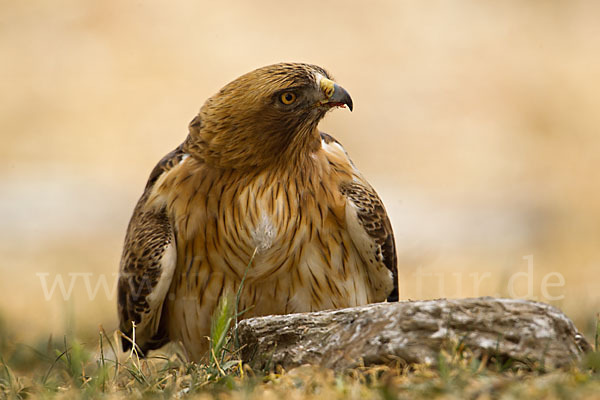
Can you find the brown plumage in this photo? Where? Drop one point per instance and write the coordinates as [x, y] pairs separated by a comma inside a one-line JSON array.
[[254, 176]]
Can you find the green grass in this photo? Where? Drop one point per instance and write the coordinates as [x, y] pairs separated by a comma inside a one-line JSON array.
[[71, 369]]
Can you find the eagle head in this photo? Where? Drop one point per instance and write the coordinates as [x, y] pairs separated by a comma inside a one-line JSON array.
[[267, 116]]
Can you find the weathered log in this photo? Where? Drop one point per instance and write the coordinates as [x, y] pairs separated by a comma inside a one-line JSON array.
[[413, 332]]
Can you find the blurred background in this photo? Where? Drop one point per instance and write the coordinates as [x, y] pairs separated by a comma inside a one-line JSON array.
[[477, 122]]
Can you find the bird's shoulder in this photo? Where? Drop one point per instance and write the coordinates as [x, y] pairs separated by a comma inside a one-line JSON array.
[[334, 150], [166, 164]]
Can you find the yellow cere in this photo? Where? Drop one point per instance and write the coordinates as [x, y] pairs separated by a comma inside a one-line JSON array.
[[327, 87]]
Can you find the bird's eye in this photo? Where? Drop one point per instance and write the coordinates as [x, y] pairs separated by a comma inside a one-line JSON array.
[[288, 98]]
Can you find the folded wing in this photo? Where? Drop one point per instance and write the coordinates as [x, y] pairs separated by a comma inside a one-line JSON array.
[[147, 266]]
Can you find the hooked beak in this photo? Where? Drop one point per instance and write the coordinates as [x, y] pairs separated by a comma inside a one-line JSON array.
[[335, 95]]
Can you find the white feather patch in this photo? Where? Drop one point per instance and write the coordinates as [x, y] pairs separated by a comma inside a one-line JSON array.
[[264, 234]]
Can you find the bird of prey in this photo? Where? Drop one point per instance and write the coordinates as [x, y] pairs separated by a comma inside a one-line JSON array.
[[255, 192]]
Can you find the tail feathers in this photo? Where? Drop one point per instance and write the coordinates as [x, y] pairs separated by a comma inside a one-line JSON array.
[[394, 295]]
